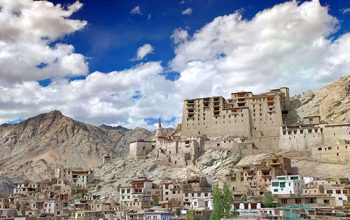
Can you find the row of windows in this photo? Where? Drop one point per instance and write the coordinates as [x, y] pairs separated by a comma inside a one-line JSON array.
[[330, 148], [336, 191], [173, 192], [196, 194]]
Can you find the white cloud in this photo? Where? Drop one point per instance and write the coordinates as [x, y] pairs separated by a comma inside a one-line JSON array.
[[143, 51], [287, 45], [345, 10], [100, 98], [179, 35], [136, 10], [187, 11], [26, 30]]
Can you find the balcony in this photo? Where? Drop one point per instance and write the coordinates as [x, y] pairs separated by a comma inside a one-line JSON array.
[[206, 100], [190, 108], [216, 100], [240, 100]]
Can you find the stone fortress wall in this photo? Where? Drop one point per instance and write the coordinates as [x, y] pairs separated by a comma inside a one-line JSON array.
[[328, 142], [307, 134]]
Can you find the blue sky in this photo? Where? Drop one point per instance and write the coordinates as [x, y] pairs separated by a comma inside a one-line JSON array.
[[130, 62], [113, 34]]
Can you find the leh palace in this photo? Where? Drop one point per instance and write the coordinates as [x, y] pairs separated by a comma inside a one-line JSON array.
[[247, 124]]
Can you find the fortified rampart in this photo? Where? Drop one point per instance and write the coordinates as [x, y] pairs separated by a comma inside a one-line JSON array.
[[303, 137]]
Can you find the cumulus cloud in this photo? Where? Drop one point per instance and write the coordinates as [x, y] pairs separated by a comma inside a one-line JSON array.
[[287, 45], [143, 51], [187, 11], [100, 98], [136, 10], [179, 35], [27, 28]]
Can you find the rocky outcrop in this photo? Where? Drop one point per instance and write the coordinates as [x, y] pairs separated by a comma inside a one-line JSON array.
[[332, 103]]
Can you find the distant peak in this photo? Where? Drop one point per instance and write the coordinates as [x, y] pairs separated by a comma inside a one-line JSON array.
[[55, 112], [118, 128]]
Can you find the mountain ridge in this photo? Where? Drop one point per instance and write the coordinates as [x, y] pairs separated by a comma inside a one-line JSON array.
[[51, 139]]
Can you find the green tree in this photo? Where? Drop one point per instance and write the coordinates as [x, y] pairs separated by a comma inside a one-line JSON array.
[[218, 211], [227, 201], [191, 215], [222, 203], [268, 200]]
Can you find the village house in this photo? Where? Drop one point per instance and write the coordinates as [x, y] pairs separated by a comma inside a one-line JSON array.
[[158, 214], [194, 189], [339, 192], [26, 188], [171, 193], [255, 172], [313, 189], [135, 196], [307, 200], [287, 185], [77, 177]]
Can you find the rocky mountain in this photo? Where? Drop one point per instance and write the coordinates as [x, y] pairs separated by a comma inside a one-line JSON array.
[[117, 128], [332, 102], [37, 145]]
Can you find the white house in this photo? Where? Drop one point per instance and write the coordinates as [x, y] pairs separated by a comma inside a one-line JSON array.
[[287, 185], [190, 196], [50, 206], [202, 203]]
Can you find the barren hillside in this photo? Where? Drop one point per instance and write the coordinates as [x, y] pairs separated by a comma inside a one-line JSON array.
[[332, 102], [35, 146]]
